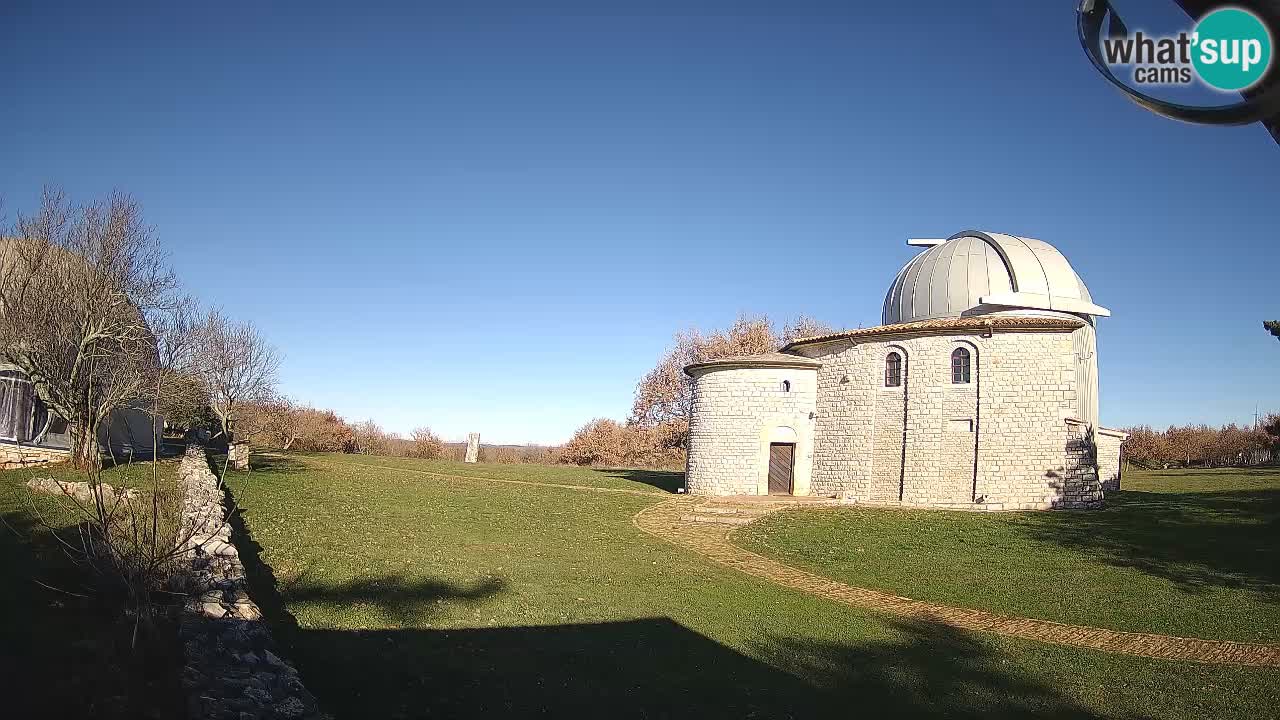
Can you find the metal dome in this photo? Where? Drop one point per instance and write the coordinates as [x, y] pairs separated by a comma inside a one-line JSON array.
[[976, 273]]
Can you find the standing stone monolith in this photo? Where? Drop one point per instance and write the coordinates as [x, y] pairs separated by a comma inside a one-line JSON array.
[[238, 455], [473, 447]]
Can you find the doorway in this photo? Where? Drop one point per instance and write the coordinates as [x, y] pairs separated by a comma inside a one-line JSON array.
[[782, 460]]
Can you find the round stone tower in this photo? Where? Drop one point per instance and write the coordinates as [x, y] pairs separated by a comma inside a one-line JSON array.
[[751, 428]]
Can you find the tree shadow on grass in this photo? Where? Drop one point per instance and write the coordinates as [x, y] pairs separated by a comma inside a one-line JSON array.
[[668, 480], [644, 668], [276, 464], [657, 668], [396, 595], [1197, 540], [66, 647], [928, 670], [258, 462]]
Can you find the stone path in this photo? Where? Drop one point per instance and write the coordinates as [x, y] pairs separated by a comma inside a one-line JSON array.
[[704, 526]]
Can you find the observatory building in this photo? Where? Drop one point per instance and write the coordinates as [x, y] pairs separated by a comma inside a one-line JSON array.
[[979, 390]]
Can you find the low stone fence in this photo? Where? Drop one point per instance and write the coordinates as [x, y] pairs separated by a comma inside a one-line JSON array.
[[81, 492], [22, 456], [231, 670]]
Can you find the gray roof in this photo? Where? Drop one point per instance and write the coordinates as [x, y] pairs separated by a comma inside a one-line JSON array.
[[975, 272], [773, 359]]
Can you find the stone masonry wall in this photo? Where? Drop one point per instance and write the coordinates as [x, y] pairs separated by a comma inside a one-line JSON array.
[[1028, 390], [994, 443], [734, 410], [18, 456], [857, 434], [1080, 485], [1109, 458], [889, 429], [232, 671], [941, 422]]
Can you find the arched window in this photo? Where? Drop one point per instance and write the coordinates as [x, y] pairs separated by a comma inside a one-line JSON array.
[[893, 370], [960, 365], [786, 386]]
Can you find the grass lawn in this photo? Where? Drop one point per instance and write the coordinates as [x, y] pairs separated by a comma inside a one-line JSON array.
[[1182, 552], [406, 594], [656, 481], [67, 653]]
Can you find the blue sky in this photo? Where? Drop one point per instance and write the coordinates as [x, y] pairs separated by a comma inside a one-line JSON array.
[[493, 216]]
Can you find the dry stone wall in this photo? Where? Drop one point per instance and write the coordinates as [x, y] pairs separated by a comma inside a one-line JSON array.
[[232, 670]]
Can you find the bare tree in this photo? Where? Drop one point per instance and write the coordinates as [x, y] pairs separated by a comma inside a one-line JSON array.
[[180, 394], [77, 284], [425, 444], [237, 366], [804, 327], [276, 422], [664, 396], [322, 430], [368, 438], [89, 313]]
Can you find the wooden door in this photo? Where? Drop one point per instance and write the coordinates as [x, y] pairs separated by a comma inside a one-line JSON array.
[[781, 461]]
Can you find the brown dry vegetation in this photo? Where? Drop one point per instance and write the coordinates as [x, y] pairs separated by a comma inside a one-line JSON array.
[[1203, 445], [657, 432]]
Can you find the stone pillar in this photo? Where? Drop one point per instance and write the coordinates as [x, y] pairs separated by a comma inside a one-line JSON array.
[[473, 447], [238, 455]]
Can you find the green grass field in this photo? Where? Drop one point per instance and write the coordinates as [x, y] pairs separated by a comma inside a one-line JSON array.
[[401, 591], [1194, 553]]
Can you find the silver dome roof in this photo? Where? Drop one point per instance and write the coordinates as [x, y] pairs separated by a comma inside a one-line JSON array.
[[976, 273]]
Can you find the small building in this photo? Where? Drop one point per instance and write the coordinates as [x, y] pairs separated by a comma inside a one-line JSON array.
[[31, 433], [979, 390]]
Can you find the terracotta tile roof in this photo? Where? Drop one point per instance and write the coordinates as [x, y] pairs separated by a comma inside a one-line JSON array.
[[1006, 323], [773, 359]]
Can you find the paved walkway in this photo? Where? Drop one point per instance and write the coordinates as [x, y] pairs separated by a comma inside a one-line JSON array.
[[705, 526]]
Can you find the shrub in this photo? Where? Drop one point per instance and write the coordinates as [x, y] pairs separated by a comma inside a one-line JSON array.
[[604, 442], [425, 444], [1199, 445]]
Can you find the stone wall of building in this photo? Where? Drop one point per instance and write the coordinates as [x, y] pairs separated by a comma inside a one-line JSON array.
[[737, 412], [231, 671], [19, 456], [1078, 479], [941, 422], [1028, 390], [889, 430], [996, 442], [1110, 458]]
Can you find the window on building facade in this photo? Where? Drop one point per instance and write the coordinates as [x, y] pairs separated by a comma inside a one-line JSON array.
[[960, 365], [893, 370], [786, 386]]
